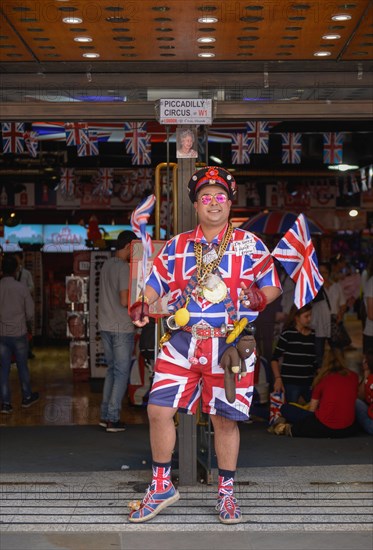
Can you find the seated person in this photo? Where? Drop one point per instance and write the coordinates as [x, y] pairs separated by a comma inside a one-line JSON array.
[[331, 412], [364, 403]]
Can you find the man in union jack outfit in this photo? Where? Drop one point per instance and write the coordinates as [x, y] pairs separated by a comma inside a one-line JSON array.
[[215, 276]]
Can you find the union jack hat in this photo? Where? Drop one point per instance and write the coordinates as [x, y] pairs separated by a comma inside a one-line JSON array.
[[212, 175]]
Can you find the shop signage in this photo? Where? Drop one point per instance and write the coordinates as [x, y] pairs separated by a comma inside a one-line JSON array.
[[185, 111]]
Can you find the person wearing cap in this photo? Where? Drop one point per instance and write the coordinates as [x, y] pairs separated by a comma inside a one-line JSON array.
[[117, 331], [217, 278]]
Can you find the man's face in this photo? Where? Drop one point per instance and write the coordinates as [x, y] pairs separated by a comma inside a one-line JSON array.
[[212, 205]]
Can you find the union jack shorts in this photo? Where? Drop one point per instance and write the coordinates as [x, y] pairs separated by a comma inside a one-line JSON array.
[[188, 369]]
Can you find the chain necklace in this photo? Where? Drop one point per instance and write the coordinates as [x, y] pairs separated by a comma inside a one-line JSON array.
[[204, 270]]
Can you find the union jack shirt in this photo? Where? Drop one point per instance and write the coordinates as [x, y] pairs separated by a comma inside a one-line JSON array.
[[246, 259]]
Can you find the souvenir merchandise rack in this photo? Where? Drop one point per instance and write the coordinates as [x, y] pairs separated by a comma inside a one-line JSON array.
[[77, 325]]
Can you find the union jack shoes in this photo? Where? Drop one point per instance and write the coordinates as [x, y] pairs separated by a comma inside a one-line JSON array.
[[229, 510], [153, 503]]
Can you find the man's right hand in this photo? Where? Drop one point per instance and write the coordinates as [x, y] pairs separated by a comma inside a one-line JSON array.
[[139, 313], [278, 385]]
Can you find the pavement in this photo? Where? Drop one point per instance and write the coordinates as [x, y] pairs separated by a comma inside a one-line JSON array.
[[68, 487]]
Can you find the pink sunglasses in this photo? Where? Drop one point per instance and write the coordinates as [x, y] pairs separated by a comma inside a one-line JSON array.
[[220, 198]]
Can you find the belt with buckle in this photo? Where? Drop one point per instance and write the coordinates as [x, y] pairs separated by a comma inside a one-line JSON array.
[[202, 332]]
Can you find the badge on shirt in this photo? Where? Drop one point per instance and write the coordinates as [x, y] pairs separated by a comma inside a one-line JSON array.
[[210, 256], [245, 247]]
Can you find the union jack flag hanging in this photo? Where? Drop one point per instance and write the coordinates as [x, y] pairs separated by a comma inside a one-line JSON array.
[[137, 142], [291, 148], [296, 253], [67, 182], [104, 182], [333, 147], [13, 140], [240, 148], [258, 136], [31, 142], [139, 219], [88, 147], [76, 133]]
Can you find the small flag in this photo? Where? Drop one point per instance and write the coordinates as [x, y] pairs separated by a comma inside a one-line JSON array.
[[258, 136], [139, 219], [333, 147], [32, 143], [291, 148], [104, 182], [137, 142], [295, 251], [67, 182], [88, 147], [240, 148], [76, 133], [13, 137]]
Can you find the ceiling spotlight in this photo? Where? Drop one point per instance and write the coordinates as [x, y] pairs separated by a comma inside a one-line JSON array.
[[341, 17], [343, 167], [206, 39], [208, 20], [83, 39], [72, 20], [206, 54], [91, 55], [331, 36], [353, 213], [322, 53]]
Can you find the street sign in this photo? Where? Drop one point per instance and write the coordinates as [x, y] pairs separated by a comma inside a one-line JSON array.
[[185, 111]]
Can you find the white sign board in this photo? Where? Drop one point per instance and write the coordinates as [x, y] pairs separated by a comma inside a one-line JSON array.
[[185, 111]]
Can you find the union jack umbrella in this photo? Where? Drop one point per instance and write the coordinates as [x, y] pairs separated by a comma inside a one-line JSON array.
[[291, 148], [333, 147], [139, 219], [32, 143], [137, 142], [88, 147], [13, 140], [76, 133], [295, 251], [258, 136], [240, 148], [67, 182]]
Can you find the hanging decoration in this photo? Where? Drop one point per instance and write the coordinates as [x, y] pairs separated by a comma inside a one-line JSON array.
[[67, 182], [240, 148], [333, 147], [291, 147], [258, 136], [76, 133], [31, 142], [137, 142], [13, 137], [104, 183], [89, 145]]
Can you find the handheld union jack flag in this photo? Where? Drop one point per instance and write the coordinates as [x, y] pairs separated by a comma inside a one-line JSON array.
[[240, 148], [137, 142], [89, 145], [333, 147], [13, 140], [296, 253], [291, 148], [258, 136], [139, 219], [67, 182], [31, 142], [76, 133]]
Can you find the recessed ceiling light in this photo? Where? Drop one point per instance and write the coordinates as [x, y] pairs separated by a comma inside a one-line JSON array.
[[91, 55], [341, 17], [331, 36], [353, 213], [206, 54], [208, 20], [72, 20], [322, 53], [83, 39], [206, 39]]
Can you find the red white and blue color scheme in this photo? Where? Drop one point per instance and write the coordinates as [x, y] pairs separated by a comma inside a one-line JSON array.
[[76, 133], [333, 147], [104, 182], [13, 137], [159, 495], [276, 400], [296, 253], [137, 142], [291, 148], [32, 144], [89, 145], [229, 511], [67, 182], [240, 149], [258, 136], [139, 219], [270, 223]]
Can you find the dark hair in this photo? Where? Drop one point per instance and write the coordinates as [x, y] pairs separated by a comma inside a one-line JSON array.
[[327, 265], [369, 360], [124, 238], [9, 265], [294, 313]]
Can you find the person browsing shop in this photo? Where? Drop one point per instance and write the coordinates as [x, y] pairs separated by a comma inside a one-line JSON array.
[[217, 278]]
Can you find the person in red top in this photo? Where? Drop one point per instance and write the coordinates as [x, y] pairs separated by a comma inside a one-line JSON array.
[[331, 412]]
